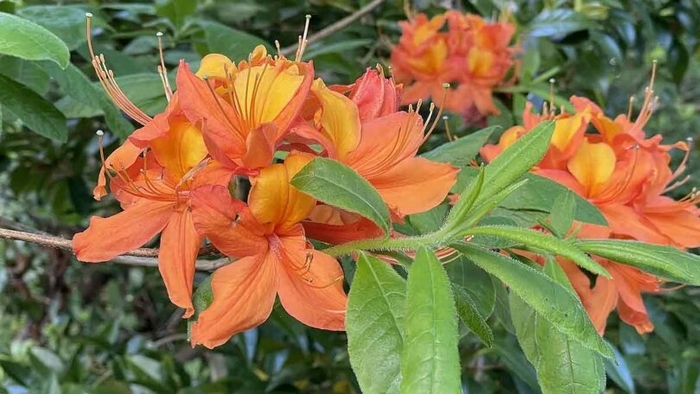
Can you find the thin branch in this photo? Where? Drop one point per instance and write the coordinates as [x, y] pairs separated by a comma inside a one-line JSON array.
[[330, 29], [144, 257]]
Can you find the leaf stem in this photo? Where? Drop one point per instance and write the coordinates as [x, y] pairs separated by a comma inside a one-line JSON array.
[[435, 239]]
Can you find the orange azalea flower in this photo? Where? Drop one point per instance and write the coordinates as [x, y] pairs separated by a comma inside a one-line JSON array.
[[154, 192], [624, 174], [244, 110], [420, 60], [623, 292], [381, 145], [273, 254], [471, 53]]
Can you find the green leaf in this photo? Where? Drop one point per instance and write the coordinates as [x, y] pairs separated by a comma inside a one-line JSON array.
[[475, 282], [46, 361], [18, 372], [430, 358], [144, 90], [429, 221], [177, 11], [461, 151], [462, 221], [664, 261], [517, 160], [515, 361], [539, 240], [470, 316], [340, 186], [467, 199], [235, 44], [550, 299], [201, 299], [77, 86], [322, 48], [558, 23], [26, 72], [619, 372], [67, 22], [374, 324], [27, 40], [538, 194], [562, 365], [36, 113], [561, 218]]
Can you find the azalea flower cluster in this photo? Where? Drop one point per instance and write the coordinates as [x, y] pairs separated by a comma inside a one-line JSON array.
[[262, 119], [461, 49], [626, 175]]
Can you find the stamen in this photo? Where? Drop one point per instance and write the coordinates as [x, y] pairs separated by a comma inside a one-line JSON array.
[[279, 48], [100, 144], [450, 137], [217, 99], [109, 84], [162, 71], [446, 88], [302, 40], [192, 172], [648, 105], [621, 187], [551, 91], [629, 109], [681, 167]]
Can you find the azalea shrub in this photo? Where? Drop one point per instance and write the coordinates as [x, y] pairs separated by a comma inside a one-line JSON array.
[[431, 215]]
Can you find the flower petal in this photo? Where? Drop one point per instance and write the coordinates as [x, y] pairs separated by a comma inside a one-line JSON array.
[[181, 149], [385, 142], [681, 227], [226, 222], [107, 238], [273, 200], [375, 95], [244, 293], [311, 286], [335, 226], [179, 247], [592, 165], [203, 108], [339, 118], [415, 185], [216, 65], [626, 221], [122, 158], [630, 282]]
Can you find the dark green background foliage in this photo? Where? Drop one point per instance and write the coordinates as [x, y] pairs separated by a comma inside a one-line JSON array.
[[74, 328]]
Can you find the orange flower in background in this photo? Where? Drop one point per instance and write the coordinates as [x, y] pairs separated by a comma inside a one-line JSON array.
[[456, 48], [274, 258], [420, 58], [625, 175], [244, 111]]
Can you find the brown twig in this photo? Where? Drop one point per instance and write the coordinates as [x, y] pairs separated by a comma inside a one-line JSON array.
[[330, 29], [144, 257]]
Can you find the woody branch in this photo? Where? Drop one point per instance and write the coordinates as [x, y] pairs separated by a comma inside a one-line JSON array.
[[143, 257]]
